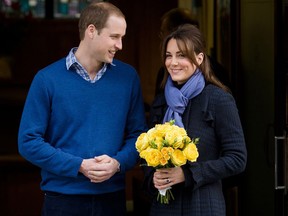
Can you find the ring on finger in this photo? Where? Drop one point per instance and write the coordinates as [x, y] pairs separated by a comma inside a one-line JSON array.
[[167, 180]]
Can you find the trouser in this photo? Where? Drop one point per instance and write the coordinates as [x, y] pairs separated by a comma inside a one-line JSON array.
[[109, 204]]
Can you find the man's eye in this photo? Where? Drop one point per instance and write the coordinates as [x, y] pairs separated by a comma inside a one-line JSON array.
[[115, 37]]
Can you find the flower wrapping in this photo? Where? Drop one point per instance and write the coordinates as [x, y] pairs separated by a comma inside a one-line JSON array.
[[164, 146]]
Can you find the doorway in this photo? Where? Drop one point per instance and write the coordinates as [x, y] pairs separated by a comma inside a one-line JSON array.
[[281, 108]]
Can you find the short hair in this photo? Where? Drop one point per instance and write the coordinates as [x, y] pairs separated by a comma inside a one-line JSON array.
[[97, 14]]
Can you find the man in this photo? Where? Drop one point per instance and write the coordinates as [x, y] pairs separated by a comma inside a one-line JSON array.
[[81, 119]]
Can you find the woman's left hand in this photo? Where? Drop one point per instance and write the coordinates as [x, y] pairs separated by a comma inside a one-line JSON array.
[[166, 177]]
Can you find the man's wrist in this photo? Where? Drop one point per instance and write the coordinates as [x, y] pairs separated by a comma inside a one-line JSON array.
[[118, 166]]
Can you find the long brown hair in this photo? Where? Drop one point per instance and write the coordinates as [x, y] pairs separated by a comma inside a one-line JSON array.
[[190, 42]]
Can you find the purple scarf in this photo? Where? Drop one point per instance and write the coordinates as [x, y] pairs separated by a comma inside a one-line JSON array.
[[177, 99]]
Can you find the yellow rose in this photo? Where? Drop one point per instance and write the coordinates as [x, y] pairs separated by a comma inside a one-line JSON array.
[[159, 143], [163, 161], [186, 140], [153, 157], [179, 130], [162, 146], [162, 129], [143, 153], [175, 137], [151, 133], [142, 142], [191, 152], [166, 152], [178, 158]]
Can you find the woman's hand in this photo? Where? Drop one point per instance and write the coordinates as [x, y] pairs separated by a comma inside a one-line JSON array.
[[166, 177]]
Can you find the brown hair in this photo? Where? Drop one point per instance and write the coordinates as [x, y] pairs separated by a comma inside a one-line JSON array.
[[174, 18], [97, 14], [190, 42]]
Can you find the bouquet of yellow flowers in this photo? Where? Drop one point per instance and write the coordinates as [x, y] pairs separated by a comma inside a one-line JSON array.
[[165, 146]]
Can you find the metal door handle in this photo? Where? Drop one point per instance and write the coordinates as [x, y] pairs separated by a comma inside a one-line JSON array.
[[280, 166]]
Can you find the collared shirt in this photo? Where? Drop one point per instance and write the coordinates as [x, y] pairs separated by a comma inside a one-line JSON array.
[[71, 62]]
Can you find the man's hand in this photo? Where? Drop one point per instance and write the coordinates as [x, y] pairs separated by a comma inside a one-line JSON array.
[[87, 165], [100, 168]]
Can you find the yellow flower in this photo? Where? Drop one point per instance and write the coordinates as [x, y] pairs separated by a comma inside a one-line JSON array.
[[142, 142], [163, 161], [175, 137], [178, 158], [186, 140], [157, 132], [159, 143], [191, 152], [166, 152], [162, 146], [145, 152], [152, 133], [153, 157]]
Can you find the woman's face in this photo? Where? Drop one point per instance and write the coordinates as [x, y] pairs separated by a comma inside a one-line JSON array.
[[178, 65]]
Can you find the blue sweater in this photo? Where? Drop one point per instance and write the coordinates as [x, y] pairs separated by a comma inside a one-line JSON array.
[[67, 119]]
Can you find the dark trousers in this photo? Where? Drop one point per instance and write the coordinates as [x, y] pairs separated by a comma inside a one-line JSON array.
[[110, 204]]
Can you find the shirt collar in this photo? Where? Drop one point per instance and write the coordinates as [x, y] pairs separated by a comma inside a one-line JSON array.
[[71, 59]]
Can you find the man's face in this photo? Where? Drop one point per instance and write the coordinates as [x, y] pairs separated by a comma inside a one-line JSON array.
[[109, 40]]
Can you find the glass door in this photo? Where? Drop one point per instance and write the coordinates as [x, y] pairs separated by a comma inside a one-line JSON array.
[[281, 108]]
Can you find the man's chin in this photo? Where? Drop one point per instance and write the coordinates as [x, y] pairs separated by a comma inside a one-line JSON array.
[[109, 60]]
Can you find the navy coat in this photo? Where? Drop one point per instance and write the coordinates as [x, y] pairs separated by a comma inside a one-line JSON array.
[[213, 117]]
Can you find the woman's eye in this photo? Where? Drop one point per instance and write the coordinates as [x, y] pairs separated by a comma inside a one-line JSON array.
[[181, 55], [168, 56]]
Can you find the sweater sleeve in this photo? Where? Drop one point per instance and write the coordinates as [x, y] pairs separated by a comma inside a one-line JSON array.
[[32, 144], [135, 125]]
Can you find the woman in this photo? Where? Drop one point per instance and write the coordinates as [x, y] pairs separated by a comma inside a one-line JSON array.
[[200, 103]]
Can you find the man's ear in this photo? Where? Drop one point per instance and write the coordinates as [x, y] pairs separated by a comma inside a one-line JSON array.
[[91, 30]]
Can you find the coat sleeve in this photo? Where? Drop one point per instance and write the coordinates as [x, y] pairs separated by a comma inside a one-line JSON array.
[[224, 148]]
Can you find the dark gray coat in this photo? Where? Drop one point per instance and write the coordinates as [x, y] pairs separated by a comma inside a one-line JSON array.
[[213, 117]]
